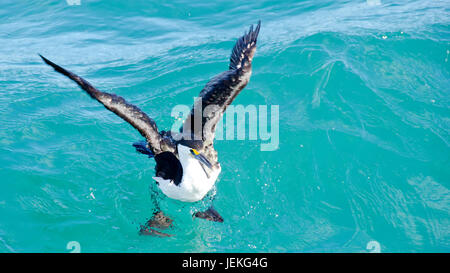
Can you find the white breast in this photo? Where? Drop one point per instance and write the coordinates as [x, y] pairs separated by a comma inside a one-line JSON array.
[[195, 184]]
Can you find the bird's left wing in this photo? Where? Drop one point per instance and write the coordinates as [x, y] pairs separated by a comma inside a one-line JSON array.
[[220, 91]]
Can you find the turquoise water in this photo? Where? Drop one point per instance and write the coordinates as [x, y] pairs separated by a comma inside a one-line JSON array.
[[364, 125]]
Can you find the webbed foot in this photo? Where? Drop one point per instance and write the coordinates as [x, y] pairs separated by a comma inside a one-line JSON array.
[[158, 221], [210, 214]]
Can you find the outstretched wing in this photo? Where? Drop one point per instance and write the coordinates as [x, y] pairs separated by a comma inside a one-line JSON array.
[[130, 113], [220, 91]]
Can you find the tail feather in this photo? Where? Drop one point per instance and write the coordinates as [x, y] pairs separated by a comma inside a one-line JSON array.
[[142, 148]]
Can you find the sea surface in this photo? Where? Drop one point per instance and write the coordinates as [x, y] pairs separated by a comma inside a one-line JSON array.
[[363, 90]]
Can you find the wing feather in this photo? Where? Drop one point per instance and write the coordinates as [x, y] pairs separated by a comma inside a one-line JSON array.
[[116, 104], [221, 90]]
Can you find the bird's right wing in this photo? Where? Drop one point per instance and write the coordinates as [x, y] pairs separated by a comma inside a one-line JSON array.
[[128, 112]]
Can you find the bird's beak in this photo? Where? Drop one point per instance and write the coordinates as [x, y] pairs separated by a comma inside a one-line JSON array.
[[201, 158], [204, 160]]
